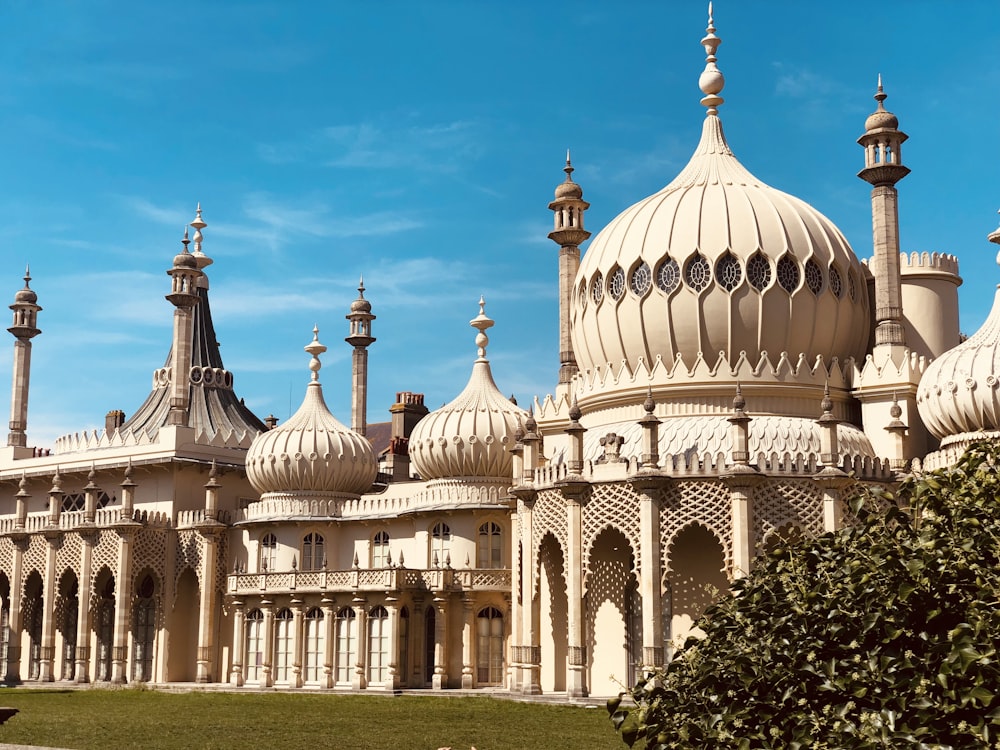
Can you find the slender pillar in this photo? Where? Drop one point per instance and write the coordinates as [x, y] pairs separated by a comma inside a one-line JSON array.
[[123, 602], [831, 477], [329, 613], [741, 478], [267, 607], [574, 494], [298, 610], [439, 681], [514, 660], [239, 642], [360, 680], [24, 329], [83, 622], [392, 608], [53, 538], [361, 338], [530, 651], [468, 643], [12, 669], [210, 531]]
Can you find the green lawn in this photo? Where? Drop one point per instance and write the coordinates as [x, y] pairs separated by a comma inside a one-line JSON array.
[[113, 719]]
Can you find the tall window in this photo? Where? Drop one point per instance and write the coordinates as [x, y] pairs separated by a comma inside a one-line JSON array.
[[489, 647], [283, 645], [378, 645], [380, 549], [312, 552], [268, 552], [347, 644], [490, 546], [71, 607], [404, 644], [440, 544], [315, 646], [145, 631], [253, 668]]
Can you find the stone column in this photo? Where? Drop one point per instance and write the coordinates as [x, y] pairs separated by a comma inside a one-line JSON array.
[[298, 610], [391, 607], [574, 492], [440, 679], [530, 652], [123, 603], [360, 680], [329, 615], [12, 669], [239, 643], [209, 532], [267, 607], [514, 662], [650, 486], [468, 643], [83, 623]]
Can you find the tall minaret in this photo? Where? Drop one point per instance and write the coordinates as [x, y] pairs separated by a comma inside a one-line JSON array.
[[24, 329], [361, 338], [883, 169], [568, 207], [185, 276]]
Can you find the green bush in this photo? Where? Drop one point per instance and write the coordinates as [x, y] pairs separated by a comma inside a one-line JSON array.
[[883, 634]]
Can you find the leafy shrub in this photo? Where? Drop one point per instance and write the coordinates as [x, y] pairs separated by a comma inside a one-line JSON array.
[[883, 634]]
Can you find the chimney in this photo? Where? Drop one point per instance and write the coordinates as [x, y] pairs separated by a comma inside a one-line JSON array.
[[406, 412]]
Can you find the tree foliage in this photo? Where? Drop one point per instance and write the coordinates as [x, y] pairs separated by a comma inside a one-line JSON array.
[[883, 634]]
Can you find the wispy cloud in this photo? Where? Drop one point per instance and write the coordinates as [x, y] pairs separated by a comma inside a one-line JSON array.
[[821, 99], [437, 147]]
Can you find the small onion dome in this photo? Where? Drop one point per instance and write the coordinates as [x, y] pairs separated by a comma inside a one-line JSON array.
[[568, 188], [312, 451], [881, 117], [185, 259], [960, 390], [26, 295], [471, 436], [361, 304]]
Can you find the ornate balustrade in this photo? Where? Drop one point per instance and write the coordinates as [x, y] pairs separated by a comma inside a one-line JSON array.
[[378, 579]]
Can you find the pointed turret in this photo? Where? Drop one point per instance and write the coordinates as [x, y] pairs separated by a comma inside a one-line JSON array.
[[23, 329], [882, 142], [568, 207], [361, 338]]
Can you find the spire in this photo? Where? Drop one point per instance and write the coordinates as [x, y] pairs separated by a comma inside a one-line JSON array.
[[198, 224], [315, 349], [711, 82], [482, 323]]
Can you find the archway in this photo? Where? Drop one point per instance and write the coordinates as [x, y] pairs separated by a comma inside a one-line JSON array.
[[182, 648], [31, 617], [67, 616], [144, 629], [104, 624], [613, 612], [552, 624], [696, 579]]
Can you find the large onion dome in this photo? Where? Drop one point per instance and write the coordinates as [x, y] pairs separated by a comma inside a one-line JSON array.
[[471, 437], [312, 452], [718, 261], [959, 392]]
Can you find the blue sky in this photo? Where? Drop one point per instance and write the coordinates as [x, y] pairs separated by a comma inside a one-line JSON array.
[[419, 144]]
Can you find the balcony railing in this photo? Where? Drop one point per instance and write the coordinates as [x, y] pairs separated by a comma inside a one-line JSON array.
[[379, 579]]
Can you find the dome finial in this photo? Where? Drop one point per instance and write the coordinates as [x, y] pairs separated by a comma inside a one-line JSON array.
[[568, 169], [994, 237], [481, 323], [315, 349], [711, 81], [198, 224], [185, 240], [27, 276]]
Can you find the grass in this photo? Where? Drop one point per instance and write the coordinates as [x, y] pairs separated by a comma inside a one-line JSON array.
[[128, 718]]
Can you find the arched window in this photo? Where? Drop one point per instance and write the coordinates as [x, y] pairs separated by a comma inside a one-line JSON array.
[[490, 546], [440, 544], [346, 644], [283, 644], [105, 628], [312, 552], [378, 645], [380, 550], [255, 646], [145, 631], [489, 647], [315, 645], [268, 552]]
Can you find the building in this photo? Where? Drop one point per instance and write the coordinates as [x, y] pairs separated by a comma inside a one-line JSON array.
[[730, 375]]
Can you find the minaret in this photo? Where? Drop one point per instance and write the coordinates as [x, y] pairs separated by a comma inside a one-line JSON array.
[[361, 338], [185, 276], [883, 169], [24, 329], [568, 207]]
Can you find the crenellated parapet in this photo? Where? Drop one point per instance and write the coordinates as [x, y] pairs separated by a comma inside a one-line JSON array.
[[102, 440], [929, 263]]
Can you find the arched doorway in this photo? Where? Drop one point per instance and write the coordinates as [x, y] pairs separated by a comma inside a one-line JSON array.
[[614, 621], [68, 613], [489, 647], [104, 624], [696, 578], [429, 621], [31, 617], [553, 622], [144, 630], [182, 648]]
